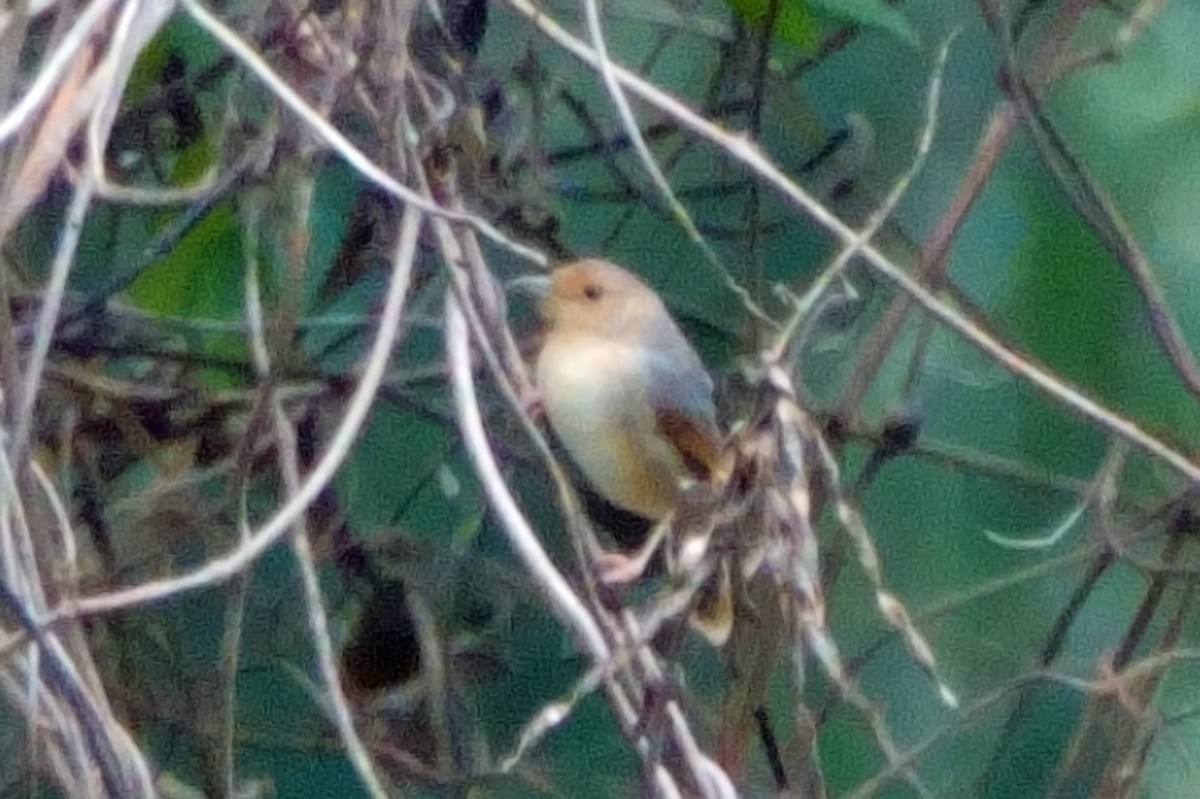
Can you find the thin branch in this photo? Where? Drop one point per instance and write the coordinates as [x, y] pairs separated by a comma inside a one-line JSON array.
[[326, 131], [608, 73], [935, 248], [745, 152], [804, 305], [1095, 206], [48, 318], [318, 620], [118, 782], [57, 62], [334, 697], [221, 569], [558, 593]]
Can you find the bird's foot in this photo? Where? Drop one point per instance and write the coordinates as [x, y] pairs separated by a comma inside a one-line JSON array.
[[534, 402], [616, 568]]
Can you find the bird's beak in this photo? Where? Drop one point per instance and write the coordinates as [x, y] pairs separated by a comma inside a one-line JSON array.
[[536, 286]]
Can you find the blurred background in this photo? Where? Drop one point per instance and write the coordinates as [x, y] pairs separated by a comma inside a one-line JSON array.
[[159, 196]]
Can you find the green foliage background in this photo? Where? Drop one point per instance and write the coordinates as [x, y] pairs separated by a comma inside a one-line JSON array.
[[994, 453]]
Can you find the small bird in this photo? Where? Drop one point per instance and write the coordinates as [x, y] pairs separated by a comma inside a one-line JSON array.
[[627, 396]]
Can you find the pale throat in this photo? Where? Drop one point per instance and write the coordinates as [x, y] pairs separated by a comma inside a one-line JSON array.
[[588, 384], [601, 413]]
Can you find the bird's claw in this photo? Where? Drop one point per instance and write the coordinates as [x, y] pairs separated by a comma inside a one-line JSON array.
[[615, 568], [534, 402]]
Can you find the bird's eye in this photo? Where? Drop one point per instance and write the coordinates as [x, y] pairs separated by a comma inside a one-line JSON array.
[[592, 292]]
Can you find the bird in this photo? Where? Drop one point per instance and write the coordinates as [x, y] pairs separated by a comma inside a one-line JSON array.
[[629, 398]]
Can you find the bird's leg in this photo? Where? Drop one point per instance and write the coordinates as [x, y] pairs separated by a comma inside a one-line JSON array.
[[615, 568], [533, 401]]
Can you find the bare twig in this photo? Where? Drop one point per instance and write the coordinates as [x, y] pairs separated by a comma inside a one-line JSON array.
[[221, 569], [561, 598], [337, 140], [1092, 202], [52, 71], [804, 305], [746, 153], [605, 66], [935, 248], [335, 698], [48, 318], [119, 779]]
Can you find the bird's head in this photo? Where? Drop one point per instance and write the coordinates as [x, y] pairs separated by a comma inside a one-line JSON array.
[[593, 297]]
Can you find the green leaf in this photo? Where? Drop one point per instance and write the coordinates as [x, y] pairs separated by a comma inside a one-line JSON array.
[[333, 202], [202, 275], [180, 37], [201, 278], [193, 162], [794, 21], [869, 14], [1073, 308]]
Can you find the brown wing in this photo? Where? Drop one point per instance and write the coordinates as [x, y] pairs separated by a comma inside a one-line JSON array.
[[699, 446], [713, 615], [697, 442]]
